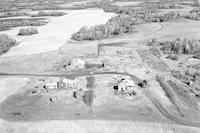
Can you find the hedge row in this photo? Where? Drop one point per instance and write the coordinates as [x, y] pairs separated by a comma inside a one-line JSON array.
[[9, 23], [181, 46], [12, 14], [51, 13]]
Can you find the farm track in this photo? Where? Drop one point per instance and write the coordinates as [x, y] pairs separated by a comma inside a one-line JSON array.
[[146, 91], [165, 113]]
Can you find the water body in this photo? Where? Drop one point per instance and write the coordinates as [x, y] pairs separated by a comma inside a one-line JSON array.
[[56, 32]]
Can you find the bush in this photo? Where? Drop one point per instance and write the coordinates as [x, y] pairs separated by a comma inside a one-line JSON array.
[[152, 42], [92, 33], [27, 32], [170, 16], [172, 57], [197, 56], [112, 8], [6, 43]]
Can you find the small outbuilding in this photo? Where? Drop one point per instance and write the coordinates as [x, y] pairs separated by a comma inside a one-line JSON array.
[[51, 85], [78, 64], [68, 83]]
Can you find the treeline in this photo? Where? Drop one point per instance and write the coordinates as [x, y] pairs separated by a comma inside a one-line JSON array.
[[189, 76], [194, 14], [127, 18], [147, 18], [195, 10], [5, 24], [180, 46], [7, 8], [128, 10], [164, 5], [27, 31], [115, 26], [120, 24], [13, 14], [124, 22], [6, 43], [51, 13]]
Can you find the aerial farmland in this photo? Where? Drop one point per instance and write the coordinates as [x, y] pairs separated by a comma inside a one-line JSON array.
[[99, 66]]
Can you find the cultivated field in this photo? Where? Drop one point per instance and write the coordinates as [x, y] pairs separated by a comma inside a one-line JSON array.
[[100, 66]]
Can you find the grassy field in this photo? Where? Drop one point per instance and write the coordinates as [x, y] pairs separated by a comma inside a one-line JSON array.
[[93, 127]]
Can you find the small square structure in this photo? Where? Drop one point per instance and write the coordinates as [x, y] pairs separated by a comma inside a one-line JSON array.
[[51, 85]]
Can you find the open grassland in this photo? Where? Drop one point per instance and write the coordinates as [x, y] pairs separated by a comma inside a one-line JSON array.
[[10, 85], [86, 126]]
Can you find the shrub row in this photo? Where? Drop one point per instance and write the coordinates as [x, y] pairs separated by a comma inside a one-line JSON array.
[[27, 31], [172, 57], [129, 10], [181, 46], [46, 7], [165, 5], [9, 23], [146, 18], [12, 14], [7, 8], [192, 73], [196, 3], [193, 16], [6, 43], [195, 10], [132, 10], [52, 13]]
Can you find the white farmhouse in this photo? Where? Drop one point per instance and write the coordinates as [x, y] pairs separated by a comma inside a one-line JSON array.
[[126, 86]]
